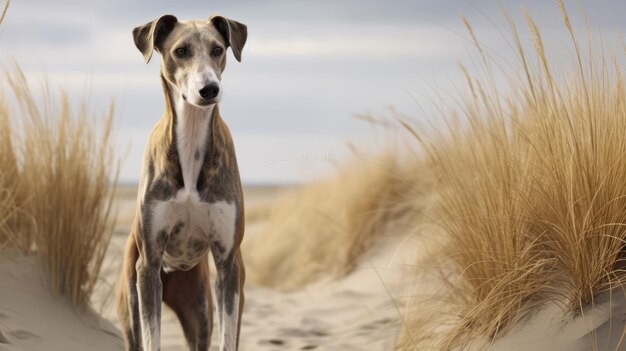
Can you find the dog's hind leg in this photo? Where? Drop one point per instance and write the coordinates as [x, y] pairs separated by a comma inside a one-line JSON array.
[[127, 301], [229, 296], [188, 293]]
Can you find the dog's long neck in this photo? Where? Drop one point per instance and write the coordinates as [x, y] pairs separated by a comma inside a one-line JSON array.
[[191, 131]]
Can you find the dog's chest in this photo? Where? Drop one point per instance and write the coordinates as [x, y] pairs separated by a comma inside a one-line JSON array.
[[192, 226]]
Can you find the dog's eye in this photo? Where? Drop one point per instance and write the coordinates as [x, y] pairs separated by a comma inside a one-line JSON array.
[[181, 51], [217, 51]]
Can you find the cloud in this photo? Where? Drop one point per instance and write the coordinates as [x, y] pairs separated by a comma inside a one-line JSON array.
[[307, 66], [382, 43]]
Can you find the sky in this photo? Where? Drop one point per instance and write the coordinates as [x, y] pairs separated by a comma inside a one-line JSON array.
[[307, 69]]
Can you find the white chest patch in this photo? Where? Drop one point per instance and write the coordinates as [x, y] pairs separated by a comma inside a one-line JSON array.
[[192, 226]]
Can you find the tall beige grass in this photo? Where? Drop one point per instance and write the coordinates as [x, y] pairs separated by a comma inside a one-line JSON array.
[[9, 184], [533, 191], [323, 229], [5, 9], [57, 177]]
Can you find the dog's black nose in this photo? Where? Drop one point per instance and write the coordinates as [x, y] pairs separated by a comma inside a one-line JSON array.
[[210, 91]]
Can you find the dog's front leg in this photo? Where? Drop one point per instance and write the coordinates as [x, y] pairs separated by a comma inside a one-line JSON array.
[[150, 291], [229, 297]]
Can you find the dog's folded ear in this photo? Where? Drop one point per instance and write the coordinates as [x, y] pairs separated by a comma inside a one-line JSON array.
[[233, 32], [150, 36]]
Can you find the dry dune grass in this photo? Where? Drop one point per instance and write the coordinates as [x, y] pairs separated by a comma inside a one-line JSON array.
[[9, 186], [7, 177], [322, 229], [57, 177], [5, 9], [533, 193]]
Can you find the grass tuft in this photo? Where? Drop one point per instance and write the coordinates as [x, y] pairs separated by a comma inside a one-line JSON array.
[[319, 230], [57, 177], [532, 193]]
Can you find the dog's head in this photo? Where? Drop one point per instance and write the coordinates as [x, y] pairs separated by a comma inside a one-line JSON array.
[[193, 53]]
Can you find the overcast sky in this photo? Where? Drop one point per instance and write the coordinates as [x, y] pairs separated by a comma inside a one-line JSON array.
[[307, 67]]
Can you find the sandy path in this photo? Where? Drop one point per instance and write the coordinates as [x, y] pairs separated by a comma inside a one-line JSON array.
[[354, 313]]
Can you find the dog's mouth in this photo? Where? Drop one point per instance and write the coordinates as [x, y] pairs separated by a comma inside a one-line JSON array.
[[207, 103], [201, 102]]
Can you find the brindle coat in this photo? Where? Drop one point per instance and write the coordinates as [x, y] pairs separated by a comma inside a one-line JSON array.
[[190, 198]]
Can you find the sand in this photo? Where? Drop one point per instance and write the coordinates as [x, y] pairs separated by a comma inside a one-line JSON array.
[[549, 328], [31, 319]]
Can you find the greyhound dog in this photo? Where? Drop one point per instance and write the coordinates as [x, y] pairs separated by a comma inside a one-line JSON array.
[[190, 199]]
